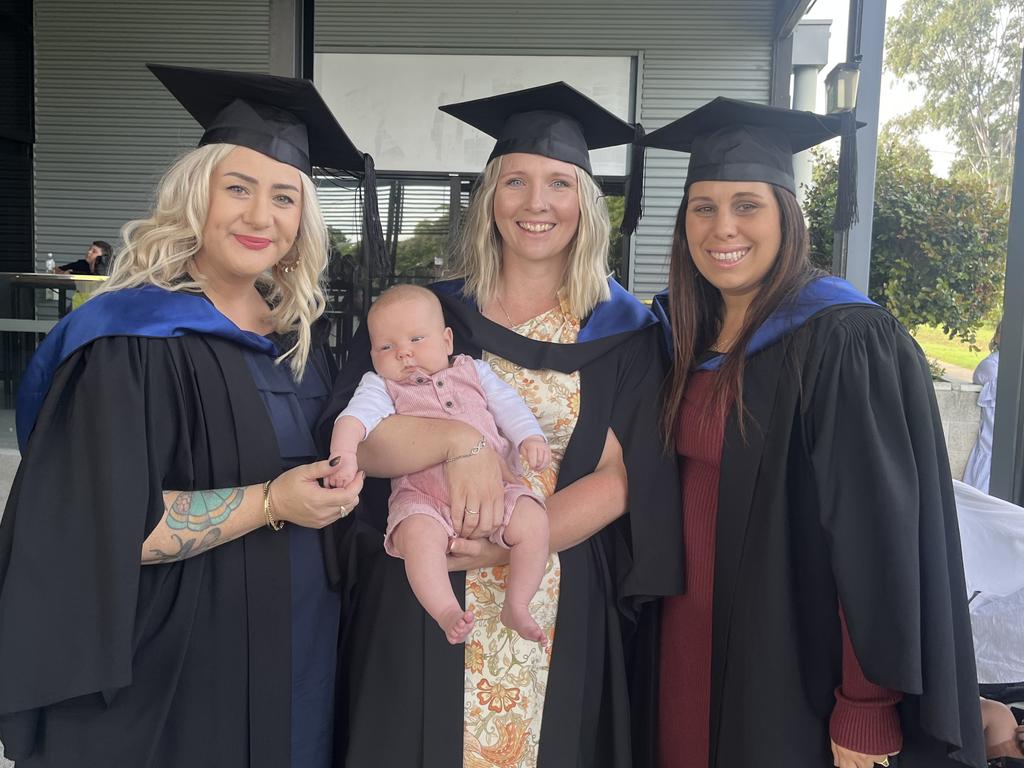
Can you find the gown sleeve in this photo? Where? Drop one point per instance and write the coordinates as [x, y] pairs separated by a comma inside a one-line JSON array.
[[885, 498], [86, 493], [649, 540]]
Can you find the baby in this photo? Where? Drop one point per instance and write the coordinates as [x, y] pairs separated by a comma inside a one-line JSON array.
[[410, 350]]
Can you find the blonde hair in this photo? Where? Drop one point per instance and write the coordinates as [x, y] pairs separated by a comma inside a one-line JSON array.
[[478, 250], [158, 250]]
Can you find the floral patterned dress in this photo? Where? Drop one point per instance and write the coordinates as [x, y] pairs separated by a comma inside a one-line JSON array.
[[506, 676]]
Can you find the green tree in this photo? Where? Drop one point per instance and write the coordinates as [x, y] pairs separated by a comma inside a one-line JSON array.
[[616, 208], [425, 248], [966, 56], [938, 246]]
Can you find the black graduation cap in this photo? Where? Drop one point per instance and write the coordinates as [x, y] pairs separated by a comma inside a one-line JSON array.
[[733, 140], [553, 120], [556, 121], [282, 117]]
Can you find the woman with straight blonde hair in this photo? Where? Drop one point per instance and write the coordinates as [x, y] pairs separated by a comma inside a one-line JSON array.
[[535, 302], [157, 609]]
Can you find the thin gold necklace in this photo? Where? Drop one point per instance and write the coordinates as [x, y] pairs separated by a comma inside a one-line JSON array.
[[507, 315]]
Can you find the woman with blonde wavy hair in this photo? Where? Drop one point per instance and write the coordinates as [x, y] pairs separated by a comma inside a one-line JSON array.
[[158, 609], [534, 300]]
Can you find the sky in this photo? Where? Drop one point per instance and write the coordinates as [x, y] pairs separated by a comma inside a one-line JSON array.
[[897, 97]]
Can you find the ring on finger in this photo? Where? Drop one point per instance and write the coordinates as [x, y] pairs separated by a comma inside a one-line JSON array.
[[472, 512], [343, 509]]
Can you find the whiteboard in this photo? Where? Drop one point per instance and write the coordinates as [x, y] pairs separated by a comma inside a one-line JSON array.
[[387, 103]]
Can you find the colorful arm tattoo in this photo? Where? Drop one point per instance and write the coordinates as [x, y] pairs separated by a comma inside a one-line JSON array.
[[198, 510]]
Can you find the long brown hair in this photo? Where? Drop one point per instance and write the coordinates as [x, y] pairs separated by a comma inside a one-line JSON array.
[[696, 311]]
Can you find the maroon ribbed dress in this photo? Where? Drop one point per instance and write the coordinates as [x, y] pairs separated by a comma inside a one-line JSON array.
[[865, 717]]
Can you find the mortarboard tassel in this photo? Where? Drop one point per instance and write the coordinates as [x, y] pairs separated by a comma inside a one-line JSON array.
[[375, 251], [634, 185], [846, 214]]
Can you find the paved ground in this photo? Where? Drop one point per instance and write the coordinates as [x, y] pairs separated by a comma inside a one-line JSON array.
[[957, 374], [8, 465]]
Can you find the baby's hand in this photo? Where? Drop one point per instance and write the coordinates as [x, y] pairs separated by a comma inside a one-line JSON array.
[[344, 470], [536, 452], [345, 437]]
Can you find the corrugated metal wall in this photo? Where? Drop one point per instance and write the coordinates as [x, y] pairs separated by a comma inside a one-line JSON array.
[[106, 128], [689, 52]]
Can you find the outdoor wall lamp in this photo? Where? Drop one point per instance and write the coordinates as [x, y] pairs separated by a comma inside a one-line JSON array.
[[841, 86]]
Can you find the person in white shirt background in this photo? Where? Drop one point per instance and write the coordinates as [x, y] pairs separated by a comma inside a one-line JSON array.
[[979, 463]]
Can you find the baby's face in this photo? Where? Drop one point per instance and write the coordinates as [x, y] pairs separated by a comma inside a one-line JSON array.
[[407, 334]]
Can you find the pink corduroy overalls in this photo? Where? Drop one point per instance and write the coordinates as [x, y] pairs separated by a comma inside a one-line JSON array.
[[451, 393]]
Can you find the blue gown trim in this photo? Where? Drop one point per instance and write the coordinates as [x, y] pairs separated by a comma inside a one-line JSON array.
[[146, 311], [620, 313], [818, 295], [293, 408]]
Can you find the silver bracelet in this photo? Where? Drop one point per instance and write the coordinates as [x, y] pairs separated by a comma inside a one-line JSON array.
[[476, 449]]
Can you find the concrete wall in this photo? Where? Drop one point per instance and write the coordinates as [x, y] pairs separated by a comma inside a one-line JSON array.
[[958, 406]]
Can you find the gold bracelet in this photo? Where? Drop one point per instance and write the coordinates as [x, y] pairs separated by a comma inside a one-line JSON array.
[[272, 524], [476, 449]]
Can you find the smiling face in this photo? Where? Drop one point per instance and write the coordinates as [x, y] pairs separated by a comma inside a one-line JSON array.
[[253, 216], [536, 207], [733, 233], [408, 332]]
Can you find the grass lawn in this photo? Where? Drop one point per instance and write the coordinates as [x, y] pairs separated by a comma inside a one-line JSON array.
[[955, 352]]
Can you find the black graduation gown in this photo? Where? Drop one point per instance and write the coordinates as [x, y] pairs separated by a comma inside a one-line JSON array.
[[840, 493], [401, 700], [104, 662]]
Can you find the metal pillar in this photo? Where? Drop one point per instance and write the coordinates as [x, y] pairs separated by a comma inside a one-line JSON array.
[[291, 38], [810, 54], [805, 83], [851, 256], [1007, 479]]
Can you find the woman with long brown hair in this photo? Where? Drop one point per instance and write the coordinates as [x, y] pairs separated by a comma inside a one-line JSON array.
[[825, 619]]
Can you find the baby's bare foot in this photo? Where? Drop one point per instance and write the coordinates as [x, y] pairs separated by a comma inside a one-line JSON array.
[[519, 618], [456, 624]]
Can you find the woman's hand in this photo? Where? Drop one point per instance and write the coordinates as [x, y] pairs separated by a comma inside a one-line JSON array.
[[476, 489], [298, 497], [470, 554], [847, 758]]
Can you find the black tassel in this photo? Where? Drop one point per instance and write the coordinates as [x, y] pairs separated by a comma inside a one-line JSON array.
[[846, 214], [376, 256], [634, 184]]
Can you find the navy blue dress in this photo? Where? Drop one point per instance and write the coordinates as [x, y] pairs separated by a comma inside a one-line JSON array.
[[294, 408]]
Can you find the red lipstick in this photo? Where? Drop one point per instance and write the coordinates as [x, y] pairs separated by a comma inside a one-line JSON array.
[[253, 243]]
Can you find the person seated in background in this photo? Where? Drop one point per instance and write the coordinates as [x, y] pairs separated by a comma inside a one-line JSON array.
[[979, 463], [96, 261]]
